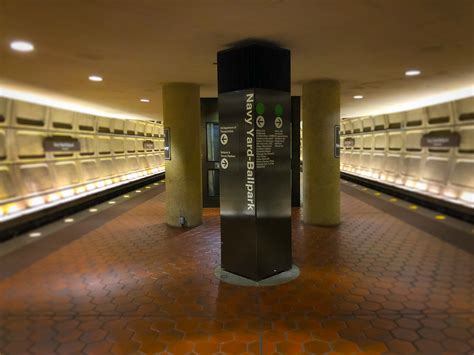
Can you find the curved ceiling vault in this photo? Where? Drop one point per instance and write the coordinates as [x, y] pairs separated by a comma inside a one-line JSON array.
[[138, 45]]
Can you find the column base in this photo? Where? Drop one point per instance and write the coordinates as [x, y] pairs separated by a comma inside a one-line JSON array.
[[278, 279]]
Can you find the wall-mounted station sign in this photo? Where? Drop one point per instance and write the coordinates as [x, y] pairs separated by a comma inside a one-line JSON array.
[[61, 144], [441, 140]]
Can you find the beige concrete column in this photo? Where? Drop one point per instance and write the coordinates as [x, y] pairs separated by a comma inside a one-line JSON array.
[[181, 113], [320, 112]]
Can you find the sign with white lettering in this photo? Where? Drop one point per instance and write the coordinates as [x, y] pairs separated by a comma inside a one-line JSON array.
[[255, 174], [61, 144], [441, 139], [337, 141], [255, 189]]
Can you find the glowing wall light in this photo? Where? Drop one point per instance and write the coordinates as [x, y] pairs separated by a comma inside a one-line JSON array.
[[421, 186], [467, 196], [434, 189], [67, 193], [53, 197], [13, 208], [449, 194], [35, 201], [80, 190]]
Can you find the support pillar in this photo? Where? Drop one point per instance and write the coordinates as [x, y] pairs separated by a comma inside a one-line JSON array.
[[321, 114], [181, 114], [255, 118]]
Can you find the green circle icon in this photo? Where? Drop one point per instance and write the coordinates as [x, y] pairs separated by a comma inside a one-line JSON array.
[[260, 108], [279, 110]]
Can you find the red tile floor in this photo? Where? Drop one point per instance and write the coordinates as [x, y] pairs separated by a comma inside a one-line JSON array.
[[132, 285]]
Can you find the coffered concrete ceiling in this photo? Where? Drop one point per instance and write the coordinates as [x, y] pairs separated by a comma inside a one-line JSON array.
[[139, 45]]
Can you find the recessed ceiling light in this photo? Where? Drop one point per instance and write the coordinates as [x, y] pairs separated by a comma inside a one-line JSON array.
[[358, 97], [145, 100], [95, 78], [69, 220], [35, 234], [412, 72], [22, 46]]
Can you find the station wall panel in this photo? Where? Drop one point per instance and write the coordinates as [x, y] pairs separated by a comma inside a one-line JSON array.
[[439, 115], [3, 145], [36, 178], [103, 145], [413, 140], [463, 173], [111, 152], [89, 170], [29, 144], [7, 188], [380, 122], [29, 115], [62, 120], [4, 104], [380, 141], [367, 124], [464, 110], [414, 118], [66, 174], [397, 157], [436, 170], [85, 123], [118, 126], [467, 140]]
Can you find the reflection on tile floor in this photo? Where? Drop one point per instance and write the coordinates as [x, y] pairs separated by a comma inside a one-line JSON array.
[[374, 284]]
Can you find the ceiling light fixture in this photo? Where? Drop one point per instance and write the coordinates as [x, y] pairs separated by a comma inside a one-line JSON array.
[[145, 100], [95, 78], [412, 72], [22, 46], [358, 97]]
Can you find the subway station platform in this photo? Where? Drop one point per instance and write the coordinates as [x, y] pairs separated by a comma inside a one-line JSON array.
[[392, 277]]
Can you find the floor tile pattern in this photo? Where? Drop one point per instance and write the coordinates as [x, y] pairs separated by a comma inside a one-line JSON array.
[[374, 284]]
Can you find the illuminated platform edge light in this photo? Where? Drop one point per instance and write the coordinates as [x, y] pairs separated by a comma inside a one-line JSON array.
[[14, 208]]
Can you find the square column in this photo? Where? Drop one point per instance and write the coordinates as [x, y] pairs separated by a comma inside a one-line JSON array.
[[255, 119]]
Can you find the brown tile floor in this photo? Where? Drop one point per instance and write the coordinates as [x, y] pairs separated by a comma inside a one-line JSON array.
[[133, 285]]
